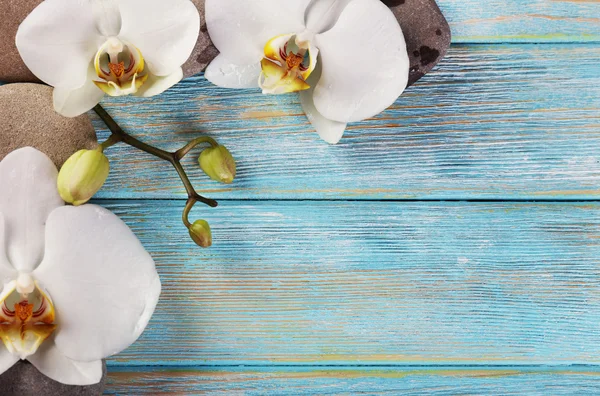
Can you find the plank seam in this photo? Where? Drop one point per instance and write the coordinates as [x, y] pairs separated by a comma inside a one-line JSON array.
[[253, 200], [349, 366]]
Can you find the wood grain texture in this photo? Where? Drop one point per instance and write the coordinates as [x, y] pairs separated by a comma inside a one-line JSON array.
[[365, 381], [493, 122], [322, 284], [522, 21], [372, 283]]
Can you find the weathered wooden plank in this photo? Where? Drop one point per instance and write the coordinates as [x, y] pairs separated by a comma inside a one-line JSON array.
[[496, 122], [523, 21], [373, 283], [365, 381]]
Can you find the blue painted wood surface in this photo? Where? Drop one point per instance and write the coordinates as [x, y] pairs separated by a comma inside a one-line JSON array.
[[434, 291], [365, 381], [492, 122], [290, 283], [425, 381], [523, 20], [375, 285]]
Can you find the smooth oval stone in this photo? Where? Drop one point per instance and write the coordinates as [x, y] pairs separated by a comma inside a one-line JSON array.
[[12, 13], [204, 52], [23, 379], [426, 31], [27, 118]]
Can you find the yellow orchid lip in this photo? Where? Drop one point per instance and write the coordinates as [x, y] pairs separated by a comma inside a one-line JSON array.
[[287, 65], [26, 318], [120, 66], [277, 80]]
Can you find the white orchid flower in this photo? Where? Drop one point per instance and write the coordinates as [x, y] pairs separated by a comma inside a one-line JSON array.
[[88, 48], [347, 58], [78, 285]]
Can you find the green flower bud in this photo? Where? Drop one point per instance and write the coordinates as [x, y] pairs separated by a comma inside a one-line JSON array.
[[82, 176], [218, 164], [201, 234]]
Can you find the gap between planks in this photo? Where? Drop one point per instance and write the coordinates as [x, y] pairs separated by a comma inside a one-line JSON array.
[[428, 380]]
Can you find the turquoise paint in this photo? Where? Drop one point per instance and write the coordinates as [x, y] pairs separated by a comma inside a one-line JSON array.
[[492, 122], [365, 381], [402, 283], [523, 21], [372, 283]]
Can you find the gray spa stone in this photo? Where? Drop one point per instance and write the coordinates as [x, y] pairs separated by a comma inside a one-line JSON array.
[[27, 118], [23, 379], [12, 13], [426, 32], [204, 52]]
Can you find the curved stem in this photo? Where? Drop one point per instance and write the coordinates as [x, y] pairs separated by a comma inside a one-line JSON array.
[[190, 189], [111, 141], [179, 154], [130, 140], [186, 212], [119, 135]]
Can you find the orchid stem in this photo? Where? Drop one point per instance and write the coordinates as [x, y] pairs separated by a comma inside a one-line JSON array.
[[186, 212], [111, 141], [119, 135], [179, 154], [130, 140], [192, 194]]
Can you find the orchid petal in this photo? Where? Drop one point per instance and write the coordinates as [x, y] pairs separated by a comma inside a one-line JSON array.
[[107, 16], [7, 360], [225, 74], [321, 15], [365, 63], [53, 364], [155, 85], [330, 131], [7, 271], [240, 29], [58, 40], [166, 32], [28, 195], [103, 283], [75, 102]]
